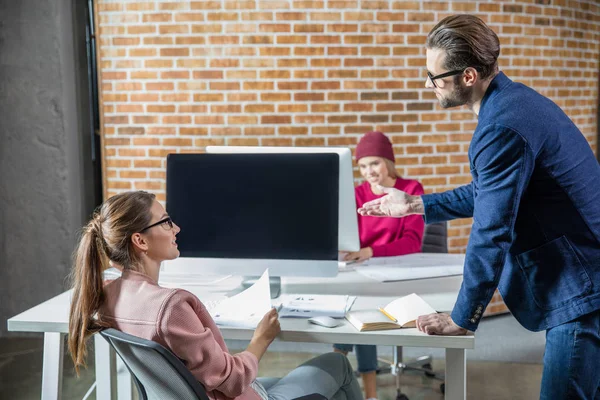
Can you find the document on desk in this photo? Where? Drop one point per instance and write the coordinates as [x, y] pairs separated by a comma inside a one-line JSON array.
[[412, 266], [315, 305], [245, 309]]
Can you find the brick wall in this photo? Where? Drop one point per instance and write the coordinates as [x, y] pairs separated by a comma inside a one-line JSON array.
[[177, 76]]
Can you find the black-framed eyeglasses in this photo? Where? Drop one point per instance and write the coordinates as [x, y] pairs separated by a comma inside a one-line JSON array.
[[432, 78], [167, 223]]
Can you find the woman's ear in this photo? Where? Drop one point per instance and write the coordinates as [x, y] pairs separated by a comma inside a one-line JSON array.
[[139, 242]]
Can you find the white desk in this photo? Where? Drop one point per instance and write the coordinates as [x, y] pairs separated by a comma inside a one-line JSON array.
[[51, 318]]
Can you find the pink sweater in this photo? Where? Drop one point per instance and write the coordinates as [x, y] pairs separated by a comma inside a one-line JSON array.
[[390, 236], [176, 319]]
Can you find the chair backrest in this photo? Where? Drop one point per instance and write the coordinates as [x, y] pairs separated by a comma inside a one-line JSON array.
[[435, 238], [158, 373]]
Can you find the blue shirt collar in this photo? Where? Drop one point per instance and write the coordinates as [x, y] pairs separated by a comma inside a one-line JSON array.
[[497, 84]]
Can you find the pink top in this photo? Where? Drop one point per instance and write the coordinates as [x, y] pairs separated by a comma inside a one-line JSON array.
[[176, 319], [390, 236]]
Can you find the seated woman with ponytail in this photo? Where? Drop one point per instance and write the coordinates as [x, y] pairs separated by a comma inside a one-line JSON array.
[[133, 231]]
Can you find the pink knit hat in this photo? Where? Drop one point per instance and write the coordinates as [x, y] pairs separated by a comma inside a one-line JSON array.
[[375, 144]]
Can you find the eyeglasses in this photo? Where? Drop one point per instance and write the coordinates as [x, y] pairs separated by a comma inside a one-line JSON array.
[[166, 223], [432, 78]]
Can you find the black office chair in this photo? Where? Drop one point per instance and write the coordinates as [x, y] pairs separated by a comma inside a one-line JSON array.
[[157, 373], [435, 240]]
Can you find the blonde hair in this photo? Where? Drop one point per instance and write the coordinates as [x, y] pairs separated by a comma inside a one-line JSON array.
[[106, 237], [391, 167]]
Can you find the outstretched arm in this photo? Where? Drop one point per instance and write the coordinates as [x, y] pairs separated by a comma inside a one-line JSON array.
[[436, 207]]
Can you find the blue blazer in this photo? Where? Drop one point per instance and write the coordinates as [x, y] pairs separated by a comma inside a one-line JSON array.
[[535, 203]]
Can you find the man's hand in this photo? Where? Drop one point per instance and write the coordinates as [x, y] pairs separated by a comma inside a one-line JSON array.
[[395, 204], [439, 324], [361, 255]]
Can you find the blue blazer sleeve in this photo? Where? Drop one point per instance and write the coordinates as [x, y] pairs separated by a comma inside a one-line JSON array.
[[502, 164], [457, 203]]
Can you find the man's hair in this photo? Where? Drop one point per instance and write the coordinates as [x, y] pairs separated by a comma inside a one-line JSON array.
[[467, 42]]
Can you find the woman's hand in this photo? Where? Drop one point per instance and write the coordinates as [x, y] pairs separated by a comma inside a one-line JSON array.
[[266, 331], [358, 256], [268, 328]]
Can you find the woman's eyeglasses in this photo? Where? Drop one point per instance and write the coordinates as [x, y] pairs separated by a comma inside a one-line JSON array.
[[166, 223]]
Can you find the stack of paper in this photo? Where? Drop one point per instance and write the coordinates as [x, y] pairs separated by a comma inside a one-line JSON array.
[[313, 305]]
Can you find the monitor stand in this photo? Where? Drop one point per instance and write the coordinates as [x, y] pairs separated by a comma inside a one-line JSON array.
[[274, 283]]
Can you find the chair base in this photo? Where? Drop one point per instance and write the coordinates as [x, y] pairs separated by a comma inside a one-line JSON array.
[[397, 368]]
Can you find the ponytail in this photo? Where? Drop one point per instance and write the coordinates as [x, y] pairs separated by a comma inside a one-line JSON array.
[[90, 260], [107, 236]]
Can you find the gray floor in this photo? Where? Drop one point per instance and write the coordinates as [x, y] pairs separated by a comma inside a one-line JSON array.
[[506, 364]]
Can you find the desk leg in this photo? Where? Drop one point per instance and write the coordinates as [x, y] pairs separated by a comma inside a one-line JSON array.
[[52, 369], [456, 374], [106, 373]]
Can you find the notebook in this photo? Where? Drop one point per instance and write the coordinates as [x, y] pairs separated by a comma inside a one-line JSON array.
[[400, 313]]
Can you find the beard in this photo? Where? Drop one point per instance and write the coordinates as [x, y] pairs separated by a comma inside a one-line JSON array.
[[458, 97]]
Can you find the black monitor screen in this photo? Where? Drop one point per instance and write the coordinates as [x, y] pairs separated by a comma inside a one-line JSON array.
[[258, 206]]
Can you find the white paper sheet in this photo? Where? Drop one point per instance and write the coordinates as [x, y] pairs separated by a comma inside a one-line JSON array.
[[247, 308], [412, 266]]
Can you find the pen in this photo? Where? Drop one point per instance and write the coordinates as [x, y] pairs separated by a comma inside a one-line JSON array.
[[387, 315]]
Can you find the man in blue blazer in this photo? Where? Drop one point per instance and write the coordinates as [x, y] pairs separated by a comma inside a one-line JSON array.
[[535, 203]]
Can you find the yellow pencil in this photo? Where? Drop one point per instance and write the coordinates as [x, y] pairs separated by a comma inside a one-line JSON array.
[[387, 315]]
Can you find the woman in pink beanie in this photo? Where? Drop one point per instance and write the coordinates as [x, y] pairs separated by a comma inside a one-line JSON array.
[[380, 237]]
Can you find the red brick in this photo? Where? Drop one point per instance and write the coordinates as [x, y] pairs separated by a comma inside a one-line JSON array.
[[160, 17], [242, 120], [207, 28], [325, 130], [309, 141], [131, 130], [259, 131], [276, 141], [309, 119], [209, 120], [159, 86], [274, 27], [293, 130], [193, 108], [196, 131], [242, 142], [225, 131], [208, 74], [161, 130], [276, 119], [190, 40], [158, 64], [311, 96], [174, 52], [209, 142]]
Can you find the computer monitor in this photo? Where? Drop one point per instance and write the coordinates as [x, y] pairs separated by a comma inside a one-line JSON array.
[[347, 219], [242, 213]]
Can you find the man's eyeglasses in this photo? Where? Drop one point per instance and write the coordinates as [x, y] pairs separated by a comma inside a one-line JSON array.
[[166, 223], [432, 78]]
